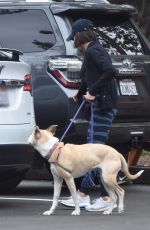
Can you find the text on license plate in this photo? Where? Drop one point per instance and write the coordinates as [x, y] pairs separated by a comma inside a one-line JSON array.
[[128, 87]]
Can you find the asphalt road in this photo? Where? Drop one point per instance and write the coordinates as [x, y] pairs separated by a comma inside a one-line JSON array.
[[22, 210]]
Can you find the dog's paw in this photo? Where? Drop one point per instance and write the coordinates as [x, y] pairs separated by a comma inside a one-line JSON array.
[[47, 213], [75, 213], [107, 212]]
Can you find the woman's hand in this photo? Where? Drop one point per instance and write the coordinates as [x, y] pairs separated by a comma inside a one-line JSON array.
[[89, 97]]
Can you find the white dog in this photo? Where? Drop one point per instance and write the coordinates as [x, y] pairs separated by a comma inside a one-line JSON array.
[[70, 161]]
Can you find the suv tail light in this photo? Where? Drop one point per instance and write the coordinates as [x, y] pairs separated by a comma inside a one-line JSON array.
[[27, 83], [66, 70]]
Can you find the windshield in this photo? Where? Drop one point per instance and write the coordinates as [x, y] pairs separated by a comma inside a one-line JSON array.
[[117, 35]]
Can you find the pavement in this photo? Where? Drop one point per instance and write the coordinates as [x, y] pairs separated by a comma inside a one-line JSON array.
[[23, 208]]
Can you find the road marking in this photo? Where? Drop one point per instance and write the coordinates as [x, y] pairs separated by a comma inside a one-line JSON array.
[[25, 199]]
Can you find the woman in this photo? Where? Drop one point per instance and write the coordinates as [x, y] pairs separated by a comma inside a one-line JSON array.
[[97, 86]]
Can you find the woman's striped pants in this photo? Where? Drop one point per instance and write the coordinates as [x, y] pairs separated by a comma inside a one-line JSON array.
[[101, 123]]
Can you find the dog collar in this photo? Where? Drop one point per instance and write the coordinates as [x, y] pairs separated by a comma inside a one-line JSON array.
[[48, 156], [58, 145]]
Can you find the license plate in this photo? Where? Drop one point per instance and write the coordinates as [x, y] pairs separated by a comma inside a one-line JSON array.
[[128, 87], [3, 97]]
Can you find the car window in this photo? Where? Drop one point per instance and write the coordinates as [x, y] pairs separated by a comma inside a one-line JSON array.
[[117, 35], [26, 30]]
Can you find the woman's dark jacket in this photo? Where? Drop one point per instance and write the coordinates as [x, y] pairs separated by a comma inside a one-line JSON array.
[[97, 74]]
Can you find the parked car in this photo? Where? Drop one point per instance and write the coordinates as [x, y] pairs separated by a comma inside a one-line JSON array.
[[40, 31], [17, 119]]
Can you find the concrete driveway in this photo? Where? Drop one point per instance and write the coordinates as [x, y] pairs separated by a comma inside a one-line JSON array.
[[22, 209]]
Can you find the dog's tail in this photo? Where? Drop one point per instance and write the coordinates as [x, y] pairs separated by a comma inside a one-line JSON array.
[[126, 170]]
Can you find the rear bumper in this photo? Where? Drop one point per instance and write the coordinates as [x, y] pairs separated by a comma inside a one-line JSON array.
[[14, 148], [124, 132], [120, 132], [15, 134], [16, 154]]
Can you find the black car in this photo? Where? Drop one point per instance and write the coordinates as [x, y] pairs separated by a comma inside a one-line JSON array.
[[40, 31]]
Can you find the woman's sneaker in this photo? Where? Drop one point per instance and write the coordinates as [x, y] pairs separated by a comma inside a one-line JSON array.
[[99, 205], [83, 201], [65, 198]]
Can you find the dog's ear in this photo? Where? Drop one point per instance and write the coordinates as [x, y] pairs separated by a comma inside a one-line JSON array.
[[52, 129], [37, 133], [37, 129]]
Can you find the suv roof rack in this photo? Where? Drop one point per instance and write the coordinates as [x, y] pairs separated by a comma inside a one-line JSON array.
[[50, 1], [15, 53], [28, 1], [104, 6]]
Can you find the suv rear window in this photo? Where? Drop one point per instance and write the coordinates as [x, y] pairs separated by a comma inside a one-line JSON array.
[[116, 34], [25, 30]]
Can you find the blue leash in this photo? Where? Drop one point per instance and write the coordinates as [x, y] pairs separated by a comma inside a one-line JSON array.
[[92, 132], [72, 120]]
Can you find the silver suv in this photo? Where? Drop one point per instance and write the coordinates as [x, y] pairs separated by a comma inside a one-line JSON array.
[[17, 119], [16, 101]]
